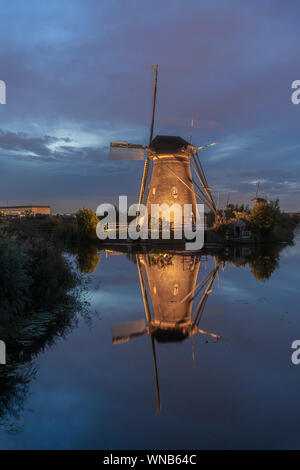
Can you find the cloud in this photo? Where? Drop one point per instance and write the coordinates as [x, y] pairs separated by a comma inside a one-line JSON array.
[[79, 76], [26, 147], [21, 142]]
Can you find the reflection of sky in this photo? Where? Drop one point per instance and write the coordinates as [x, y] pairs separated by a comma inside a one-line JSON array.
[[79, 76], [242, 392]]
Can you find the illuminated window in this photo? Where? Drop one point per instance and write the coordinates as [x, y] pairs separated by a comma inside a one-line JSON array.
[[175, 289], [153, 191], [174, 192]]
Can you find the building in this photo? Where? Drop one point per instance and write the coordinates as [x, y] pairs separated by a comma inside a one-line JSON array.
[[171, 180], [241, 228], [22, 211]]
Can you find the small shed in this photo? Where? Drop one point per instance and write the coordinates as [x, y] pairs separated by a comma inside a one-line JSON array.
[[241, 229]]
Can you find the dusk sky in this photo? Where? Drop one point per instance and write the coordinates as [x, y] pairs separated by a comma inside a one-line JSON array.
[[78, 75]]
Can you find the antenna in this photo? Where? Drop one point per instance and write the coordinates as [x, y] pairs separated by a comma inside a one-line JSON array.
[[192, 126], [146, 166]]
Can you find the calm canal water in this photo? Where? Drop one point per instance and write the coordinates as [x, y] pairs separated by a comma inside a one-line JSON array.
[[125, 381]]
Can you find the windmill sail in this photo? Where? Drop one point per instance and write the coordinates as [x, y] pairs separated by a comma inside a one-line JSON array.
[[171, 160], [126, 151], [123, 332], [147, 162]]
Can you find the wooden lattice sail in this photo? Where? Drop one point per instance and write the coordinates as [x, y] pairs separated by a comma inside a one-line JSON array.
[[173, 159]]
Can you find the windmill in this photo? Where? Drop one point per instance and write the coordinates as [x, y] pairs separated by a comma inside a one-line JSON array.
[[169, 285], [172, 157], [257, 199]]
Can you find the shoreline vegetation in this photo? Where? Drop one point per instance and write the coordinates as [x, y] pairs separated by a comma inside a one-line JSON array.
[[40, 301], [264, 223]]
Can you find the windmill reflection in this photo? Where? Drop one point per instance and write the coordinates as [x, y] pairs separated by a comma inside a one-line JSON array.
[[174, 301]]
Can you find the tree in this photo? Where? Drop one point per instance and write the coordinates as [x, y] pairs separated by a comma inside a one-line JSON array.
[[87, 222], [263, 218]]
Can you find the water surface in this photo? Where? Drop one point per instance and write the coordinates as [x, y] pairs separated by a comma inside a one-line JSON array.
[[225, 382]]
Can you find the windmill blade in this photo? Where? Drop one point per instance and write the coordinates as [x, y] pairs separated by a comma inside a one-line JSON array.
[[146, 167], [126, 145], [126, 151], [207, 333], [123, 332], [200, 307], [209, 145], [155, 69], [202, 179]]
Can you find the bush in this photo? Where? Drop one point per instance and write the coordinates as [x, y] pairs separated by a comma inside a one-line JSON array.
[[66, 231], [14, 277], [87, 222], [51, 274], [32, 276]]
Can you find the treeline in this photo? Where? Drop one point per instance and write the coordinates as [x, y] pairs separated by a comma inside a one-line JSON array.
[[80, 228], [265, 220]]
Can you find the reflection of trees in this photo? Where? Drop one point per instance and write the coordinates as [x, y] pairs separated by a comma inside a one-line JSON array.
[[46, 311], [88, 258], [263, 260], [264, 263]]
